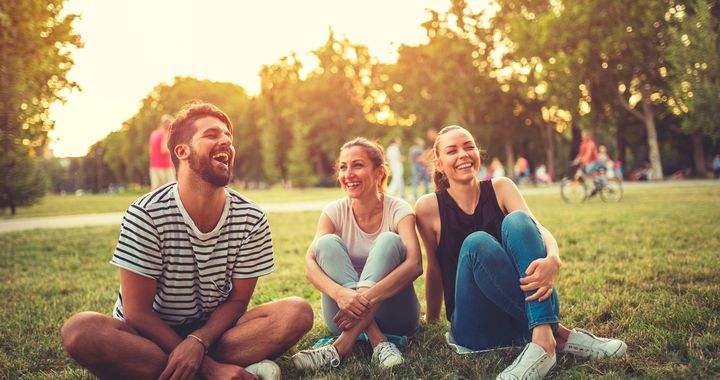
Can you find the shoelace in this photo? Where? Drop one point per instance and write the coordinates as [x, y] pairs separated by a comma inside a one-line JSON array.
[[386, 350], [323, 358]]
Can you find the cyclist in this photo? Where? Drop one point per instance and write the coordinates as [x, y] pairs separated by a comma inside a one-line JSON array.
[[591, 161]]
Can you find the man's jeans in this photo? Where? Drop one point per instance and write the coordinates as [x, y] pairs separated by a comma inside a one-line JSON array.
[[490, 308]]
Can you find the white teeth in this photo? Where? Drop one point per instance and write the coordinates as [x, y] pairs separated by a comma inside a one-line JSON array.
[[464, 166], [352, 184], [221, 157]]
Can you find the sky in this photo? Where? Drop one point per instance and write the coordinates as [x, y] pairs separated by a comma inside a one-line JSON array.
[[131, 46]]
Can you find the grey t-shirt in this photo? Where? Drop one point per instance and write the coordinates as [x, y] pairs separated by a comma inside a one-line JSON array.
[[358, 241]]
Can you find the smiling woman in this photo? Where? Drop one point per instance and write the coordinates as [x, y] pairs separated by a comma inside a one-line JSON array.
[[363, 260]]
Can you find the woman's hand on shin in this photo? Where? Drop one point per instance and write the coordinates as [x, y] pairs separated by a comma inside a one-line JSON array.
[[540, 276]]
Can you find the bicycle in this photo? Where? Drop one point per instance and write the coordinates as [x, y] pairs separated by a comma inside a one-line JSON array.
[[575, 189]]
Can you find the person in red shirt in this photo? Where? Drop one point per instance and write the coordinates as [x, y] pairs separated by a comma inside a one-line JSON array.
[[588, 155], [161, 167]]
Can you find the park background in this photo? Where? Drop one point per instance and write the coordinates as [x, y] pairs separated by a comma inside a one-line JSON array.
[[525, 77]]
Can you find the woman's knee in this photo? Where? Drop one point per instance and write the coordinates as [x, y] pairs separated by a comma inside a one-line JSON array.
[[327, 245], [518, 220], [477, 242], [389, 239], [481, 247], [390, 242]]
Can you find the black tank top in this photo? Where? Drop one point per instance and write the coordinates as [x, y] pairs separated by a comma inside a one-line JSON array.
[[455, 226]]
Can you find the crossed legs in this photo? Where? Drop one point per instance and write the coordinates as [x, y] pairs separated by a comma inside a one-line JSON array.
[[111, 349], [396, 315]]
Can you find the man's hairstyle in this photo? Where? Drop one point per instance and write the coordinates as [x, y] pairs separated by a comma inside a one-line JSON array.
[[183, 127]]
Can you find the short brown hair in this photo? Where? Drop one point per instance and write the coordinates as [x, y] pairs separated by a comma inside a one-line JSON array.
[[183, 127], [375, 152]]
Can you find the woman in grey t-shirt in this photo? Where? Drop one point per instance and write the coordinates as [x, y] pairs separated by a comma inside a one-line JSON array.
[[363, 259]]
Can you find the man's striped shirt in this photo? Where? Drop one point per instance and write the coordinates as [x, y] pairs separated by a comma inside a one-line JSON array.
[[193, 270]]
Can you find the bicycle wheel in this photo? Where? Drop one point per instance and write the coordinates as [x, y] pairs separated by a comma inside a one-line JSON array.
[[612, 191], [573, 191]]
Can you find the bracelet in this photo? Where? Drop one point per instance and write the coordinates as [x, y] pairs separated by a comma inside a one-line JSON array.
[[199, 341]]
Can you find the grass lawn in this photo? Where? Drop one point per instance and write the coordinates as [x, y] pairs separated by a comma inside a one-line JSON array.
[[645, 270], [52, 205]]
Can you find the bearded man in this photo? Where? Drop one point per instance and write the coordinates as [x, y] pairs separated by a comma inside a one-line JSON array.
[[190, 254]]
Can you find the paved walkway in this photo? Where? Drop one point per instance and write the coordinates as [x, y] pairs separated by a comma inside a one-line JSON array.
[[67, 221]]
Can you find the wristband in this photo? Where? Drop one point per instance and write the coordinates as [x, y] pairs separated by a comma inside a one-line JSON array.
[[199, 341]]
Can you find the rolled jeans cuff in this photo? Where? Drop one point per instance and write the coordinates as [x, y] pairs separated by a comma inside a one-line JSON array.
[[350, 285], [553, 322], [366, 284]]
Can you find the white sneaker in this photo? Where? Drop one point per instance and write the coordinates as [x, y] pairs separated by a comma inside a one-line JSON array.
[[533, 363], [265, 370], [319, 358], [584, 344], [387, 355]]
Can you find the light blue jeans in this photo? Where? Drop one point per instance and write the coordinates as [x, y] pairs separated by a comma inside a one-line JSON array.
[[490, 308], [397, 315]]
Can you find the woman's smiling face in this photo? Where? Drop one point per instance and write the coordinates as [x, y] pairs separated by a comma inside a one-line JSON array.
[[457, 155], [356, 173]]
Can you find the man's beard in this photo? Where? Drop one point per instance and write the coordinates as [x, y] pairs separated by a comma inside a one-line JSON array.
[[203, 167]]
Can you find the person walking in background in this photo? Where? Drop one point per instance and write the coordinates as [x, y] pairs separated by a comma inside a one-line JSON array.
[[190, 254], [494, 265], [716, 166], [419, 167], [364, 259], [522, 170], [395, 160], [496, 168], [161, 167], [541, 175]]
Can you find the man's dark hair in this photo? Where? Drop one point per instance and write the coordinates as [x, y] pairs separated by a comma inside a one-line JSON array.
[[183, 127]]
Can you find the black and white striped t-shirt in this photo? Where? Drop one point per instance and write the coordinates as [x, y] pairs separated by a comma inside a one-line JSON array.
[[193, 270]]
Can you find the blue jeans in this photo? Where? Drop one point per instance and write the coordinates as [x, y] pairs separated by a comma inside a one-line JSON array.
[[399, 314], [490, 308]]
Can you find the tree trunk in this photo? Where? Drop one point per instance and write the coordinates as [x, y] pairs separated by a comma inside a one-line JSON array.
[[549, 142], [698, 154], [621, 145], [509, 157], [649, 120], [575, 143]]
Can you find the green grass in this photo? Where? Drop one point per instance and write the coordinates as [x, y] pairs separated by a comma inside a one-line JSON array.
[[52, 205], [645, 270]]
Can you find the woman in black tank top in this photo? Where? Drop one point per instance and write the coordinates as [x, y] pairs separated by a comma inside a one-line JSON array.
[[494, 265]]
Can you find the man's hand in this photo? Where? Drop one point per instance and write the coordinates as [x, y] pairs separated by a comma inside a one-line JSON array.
[[213, 370], [352, 303], [184, 361], [540, 275]]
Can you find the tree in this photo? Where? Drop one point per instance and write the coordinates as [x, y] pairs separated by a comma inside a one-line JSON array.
[[610, 51], [21, 184], [35, 56], [125, 153], [694, 78]]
